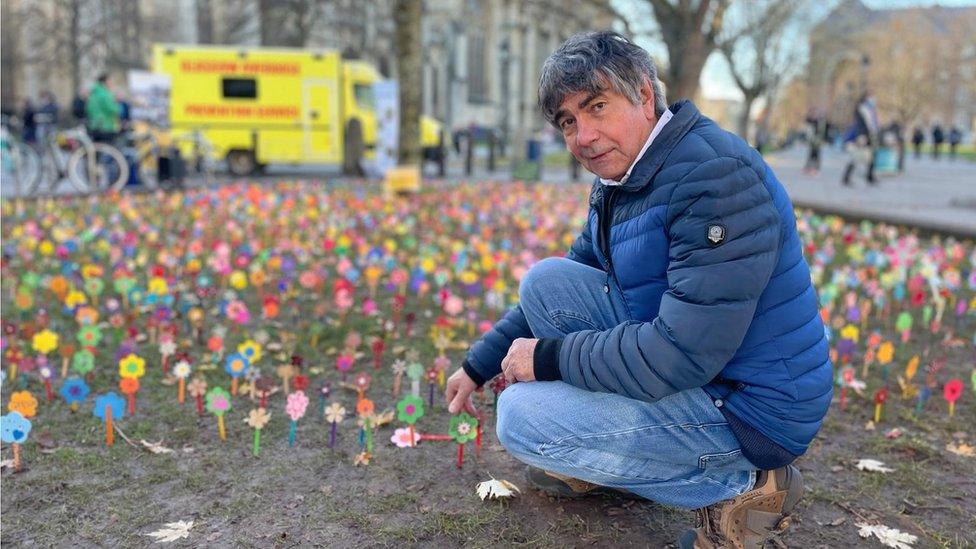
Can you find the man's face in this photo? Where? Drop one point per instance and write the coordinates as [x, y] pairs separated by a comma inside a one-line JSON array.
[[605, 131]]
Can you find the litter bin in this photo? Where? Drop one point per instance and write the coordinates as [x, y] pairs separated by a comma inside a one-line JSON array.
[[533, 151]]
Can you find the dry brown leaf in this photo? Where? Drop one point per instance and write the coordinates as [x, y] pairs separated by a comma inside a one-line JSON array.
[[961, 449], [172, 531], [155, 447], [495, 488]]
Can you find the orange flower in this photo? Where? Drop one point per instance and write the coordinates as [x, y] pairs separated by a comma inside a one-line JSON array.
[[365, 407], [59, 285], [129, 385], [23, 402], [86, 316]]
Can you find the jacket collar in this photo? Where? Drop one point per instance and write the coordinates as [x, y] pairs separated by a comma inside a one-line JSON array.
[[685, 117]]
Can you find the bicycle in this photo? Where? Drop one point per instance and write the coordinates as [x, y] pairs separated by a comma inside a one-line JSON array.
[[71, 154], [20, 163]]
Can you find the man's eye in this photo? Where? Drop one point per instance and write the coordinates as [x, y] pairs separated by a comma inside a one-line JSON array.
[[566, 123], [599, 106]]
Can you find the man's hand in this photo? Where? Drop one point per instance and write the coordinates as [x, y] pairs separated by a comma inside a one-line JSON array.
[[518, 364], [458, 393]]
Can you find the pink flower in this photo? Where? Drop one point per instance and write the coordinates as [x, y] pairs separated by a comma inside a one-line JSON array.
[[401, 437], [237, 311], [295, 408]]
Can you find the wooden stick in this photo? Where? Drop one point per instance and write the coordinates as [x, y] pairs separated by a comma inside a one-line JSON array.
[[109, 434], [220, 427]]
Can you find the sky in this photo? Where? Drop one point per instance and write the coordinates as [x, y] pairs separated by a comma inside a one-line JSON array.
[[716, 81]]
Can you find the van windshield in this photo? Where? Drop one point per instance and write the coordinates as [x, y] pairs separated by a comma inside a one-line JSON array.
[[364, 96]]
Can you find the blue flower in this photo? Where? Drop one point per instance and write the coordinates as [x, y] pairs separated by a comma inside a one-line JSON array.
[[14, 428], [110, 399], [236, 365], [74, 389]]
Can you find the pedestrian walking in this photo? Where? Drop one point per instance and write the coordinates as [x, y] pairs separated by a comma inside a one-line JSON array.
[[938, 138], [861, 140], [918, 137], [955, 137], [102, 111]]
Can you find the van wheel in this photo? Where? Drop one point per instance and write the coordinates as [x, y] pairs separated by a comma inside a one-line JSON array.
[[241, 163], [352, 153]]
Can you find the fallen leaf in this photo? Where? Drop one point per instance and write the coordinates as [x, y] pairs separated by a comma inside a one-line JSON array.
[[961, 449], [495, 488], [873, 465], [893, 433], [837, 468], [837, 522], [361, 459], [156, 447], [889, 537], [6, 463], [869, 426], [172, 531]]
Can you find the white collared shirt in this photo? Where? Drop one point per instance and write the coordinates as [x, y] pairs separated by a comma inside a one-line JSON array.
[[665, 117]]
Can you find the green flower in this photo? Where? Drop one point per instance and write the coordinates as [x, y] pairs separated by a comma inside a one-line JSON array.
[[218, 401], [94, 286], [410, 409], [89, 336], [463, 428], [415, 371], [83, 362]]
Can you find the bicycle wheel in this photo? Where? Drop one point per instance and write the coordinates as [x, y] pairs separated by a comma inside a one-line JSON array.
[[22, 164], [108, 170]]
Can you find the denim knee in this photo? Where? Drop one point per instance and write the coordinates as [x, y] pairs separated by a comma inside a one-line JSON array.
[[538, 274], [510, 422]]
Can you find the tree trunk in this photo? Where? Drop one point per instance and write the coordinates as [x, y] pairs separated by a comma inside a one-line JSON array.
[[205, 27], [407, 39], [686, 57], [74, 44], [10, 39], [743, 123], [266, 21]]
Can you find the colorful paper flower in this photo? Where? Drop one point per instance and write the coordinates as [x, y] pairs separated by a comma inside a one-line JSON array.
[[83, 361], [89, 336], [132, 366], [14, 428], [365, 407], [197, 387], [258, 418], [73, 390], [45, 341], [218, 401], [415, 371], [129, 385], [403, 439], [463, 428], [410, 409], [251, 349], [182, 369], [335, 413], [109, 399], [236, 365], [295, 407], [24, 403]]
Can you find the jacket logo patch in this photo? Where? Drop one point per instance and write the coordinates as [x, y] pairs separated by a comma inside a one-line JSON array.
[[716, 234]]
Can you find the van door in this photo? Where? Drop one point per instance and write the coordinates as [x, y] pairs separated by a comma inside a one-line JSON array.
[[320, 120]]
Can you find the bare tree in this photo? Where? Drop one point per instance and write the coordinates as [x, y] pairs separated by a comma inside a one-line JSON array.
[[758, 53], [690, 30], [288, 22], [407, 14], [205, 23]]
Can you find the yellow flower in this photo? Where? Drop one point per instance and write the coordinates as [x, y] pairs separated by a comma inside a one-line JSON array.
[[46, 248], [850, 332], [75, 298], [24, 403], [886, 352], [44, 342], [238, 280], [251, 349], [132, 366], [158, 286]]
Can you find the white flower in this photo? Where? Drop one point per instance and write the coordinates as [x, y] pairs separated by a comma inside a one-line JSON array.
[[182, 369]]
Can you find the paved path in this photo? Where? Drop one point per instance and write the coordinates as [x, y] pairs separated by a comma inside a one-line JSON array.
[[937, 195]]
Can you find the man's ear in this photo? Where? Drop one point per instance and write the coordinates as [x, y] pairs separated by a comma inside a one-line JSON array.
[[647, 99]]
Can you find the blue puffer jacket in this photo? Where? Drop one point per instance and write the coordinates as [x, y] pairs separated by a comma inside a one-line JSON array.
[[735, 314]]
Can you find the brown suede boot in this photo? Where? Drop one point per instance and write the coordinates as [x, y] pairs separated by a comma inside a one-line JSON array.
[[558, 485], [749, 520]]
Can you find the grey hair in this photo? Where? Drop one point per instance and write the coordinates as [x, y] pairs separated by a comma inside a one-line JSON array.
[[589, 62]]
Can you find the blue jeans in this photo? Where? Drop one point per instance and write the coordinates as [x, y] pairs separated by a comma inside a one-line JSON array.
[[677, 451]]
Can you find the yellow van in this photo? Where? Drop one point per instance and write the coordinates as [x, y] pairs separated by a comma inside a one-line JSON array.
[[278, 105]]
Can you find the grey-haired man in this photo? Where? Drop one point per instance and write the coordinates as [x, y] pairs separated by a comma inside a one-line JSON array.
[[677, 351]]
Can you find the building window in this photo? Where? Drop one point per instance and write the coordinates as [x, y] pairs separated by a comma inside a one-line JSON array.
[[477, 83], [239, 88]]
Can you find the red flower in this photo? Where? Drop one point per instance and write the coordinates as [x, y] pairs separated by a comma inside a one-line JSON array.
[[918, 298], [300, 383]]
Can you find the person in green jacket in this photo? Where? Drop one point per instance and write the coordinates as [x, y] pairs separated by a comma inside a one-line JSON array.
[[102, 111]]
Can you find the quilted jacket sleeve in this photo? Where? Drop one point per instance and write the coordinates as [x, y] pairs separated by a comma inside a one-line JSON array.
[[713, 291], [484, 359]]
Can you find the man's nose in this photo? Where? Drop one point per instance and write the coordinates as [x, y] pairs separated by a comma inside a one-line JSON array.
[[586, 133]]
